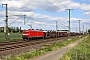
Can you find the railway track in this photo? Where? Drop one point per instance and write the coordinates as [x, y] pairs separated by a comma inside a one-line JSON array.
[[15, 48], [15, 45]]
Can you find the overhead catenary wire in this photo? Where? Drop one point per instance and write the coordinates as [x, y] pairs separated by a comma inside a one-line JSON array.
[[74, 14], [42, 22], [2, 11], [52, 4], [66, 7], [36, 20], [62, 4], [13, 22], [27, 20], [34, 23]]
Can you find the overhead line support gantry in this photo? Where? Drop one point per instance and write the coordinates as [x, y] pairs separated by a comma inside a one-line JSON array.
[[69, 20]]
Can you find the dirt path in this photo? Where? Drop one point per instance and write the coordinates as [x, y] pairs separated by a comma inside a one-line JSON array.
[[55, 55]]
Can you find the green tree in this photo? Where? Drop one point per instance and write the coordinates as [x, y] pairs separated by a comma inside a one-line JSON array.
[[89, 31]]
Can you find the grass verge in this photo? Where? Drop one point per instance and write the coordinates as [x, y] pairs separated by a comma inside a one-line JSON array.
[[12, 37], [79, 52], [46, 48]]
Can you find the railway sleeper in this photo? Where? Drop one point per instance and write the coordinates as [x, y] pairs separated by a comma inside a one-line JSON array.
[[2, 49], [10, 47], [32, 43], [27, 44], [22, 45], [7, 48], [16, 46]]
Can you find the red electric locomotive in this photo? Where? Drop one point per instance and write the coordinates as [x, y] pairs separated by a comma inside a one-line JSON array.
[[32, 34]]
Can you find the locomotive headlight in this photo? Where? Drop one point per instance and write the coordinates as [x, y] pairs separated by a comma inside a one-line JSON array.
[[25, 34]]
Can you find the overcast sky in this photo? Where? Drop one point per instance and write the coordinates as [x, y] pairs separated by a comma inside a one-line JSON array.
[[43, 14]]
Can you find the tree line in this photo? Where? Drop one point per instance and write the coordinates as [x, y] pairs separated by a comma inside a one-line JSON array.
[[89, 31], [11, 29]]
